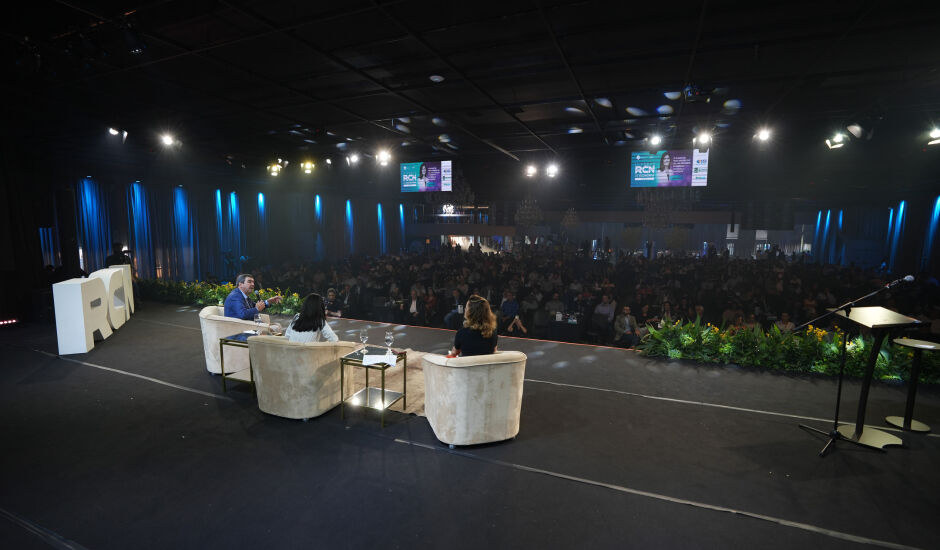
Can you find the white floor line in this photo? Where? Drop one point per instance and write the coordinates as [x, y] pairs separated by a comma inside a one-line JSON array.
[[715, 405], [135, 375], [702, 505], [49, 537]]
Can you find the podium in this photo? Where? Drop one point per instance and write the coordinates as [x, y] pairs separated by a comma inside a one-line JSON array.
[[881, 322]]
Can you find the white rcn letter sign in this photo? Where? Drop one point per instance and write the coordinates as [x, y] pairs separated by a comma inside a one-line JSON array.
[[81, 308], [113, 279]]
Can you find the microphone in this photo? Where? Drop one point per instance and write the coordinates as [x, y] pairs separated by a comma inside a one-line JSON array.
[[907, 279]]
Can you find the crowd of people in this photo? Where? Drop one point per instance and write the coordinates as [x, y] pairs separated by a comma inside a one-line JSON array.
[[611, 301]]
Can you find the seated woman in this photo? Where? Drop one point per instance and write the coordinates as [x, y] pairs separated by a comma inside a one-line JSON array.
[[478, 335], [310, 324]]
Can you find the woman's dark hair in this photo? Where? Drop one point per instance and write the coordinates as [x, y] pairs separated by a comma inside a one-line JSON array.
[[662, 161], [479, 316], [312, 314], [423, 169]]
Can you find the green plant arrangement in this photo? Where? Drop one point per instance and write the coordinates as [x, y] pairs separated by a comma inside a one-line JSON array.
[[810, 350], [206, 294]]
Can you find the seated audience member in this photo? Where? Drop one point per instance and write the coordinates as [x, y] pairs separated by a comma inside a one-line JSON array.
[[785, 324], [738, 324], [700, 314], [333, 306], [239, 305], [751, 322], [625, 329], [310, 324], [509, 313], [555, 305], [430, 307], [665, 318], [478, 335], [453, 318], [412, 309]]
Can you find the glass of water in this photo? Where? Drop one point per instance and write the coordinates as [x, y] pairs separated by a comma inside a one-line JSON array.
[[364, 336], [259, 322], [389, 339]]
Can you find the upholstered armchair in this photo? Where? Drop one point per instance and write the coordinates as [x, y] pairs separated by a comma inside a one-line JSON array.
[[297, 380], [216, 325], [477, 399]]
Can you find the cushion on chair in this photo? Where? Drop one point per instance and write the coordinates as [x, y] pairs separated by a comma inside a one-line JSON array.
[[477, 399], [297, 380], [216, 325]]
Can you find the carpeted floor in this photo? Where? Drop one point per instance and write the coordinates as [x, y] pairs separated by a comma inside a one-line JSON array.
[[135, 445]]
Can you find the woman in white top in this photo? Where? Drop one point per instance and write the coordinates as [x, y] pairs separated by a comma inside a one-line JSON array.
[[310, 324]]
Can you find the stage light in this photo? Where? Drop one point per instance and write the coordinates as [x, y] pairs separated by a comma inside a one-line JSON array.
[[436, 78], [531, 170], [167, 139], [384, 157], [704, 138], [764, 134], [307, 167], [274, 169], [113, 131], [934, 137], [836, 141], [329, 161], [552, 170], [656, 139], [353, 158]]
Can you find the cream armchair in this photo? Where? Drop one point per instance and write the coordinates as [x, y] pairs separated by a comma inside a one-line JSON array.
[[477, 399], [216, 325], [296, 380]]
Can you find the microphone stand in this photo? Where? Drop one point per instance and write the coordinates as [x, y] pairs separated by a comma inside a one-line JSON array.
[[834, 435]]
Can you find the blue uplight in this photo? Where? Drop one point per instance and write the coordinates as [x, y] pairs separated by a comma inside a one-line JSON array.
[[931, 233], [350, 229], [401, 221], [317, 209], [381, 223], [185, 238], [94, 224], [897, 234], [138, 222]]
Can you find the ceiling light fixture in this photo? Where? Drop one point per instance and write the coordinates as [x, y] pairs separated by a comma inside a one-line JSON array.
[[552, 170], [384, 157], [836, 141], [436, 78], [655, 139], [329, 161], [354, 158], [113, 131], [704, 138], [308, 166], [531, 170], [934, 137], [763, 134]]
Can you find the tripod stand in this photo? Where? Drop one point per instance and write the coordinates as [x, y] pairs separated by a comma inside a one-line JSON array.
[[879, 320]]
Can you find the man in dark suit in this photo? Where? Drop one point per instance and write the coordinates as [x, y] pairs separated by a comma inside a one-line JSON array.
[[239, 305], [625, 329]]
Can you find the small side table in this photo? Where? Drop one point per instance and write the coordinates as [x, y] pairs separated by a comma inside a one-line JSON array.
[[374, 398], [907, 422], [239, 340]]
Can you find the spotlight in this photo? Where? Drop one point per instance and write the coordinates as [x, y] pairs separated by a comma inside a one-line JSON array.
[[552, 170], [167, 139], [935, 133], [274, 169], [836, 141], [307, 167], [656, 140], [764, 134], [704, 138], [384, 157], [531, 170], [354, 158], [113, 131], [329, 161]]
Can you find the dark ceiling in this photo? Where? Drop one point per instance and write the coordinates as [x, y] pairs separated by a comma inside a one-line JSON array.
[[252, 81]]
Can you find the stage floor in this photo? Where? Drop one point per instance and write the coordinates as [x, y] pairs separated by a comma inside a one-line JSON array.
[[136, 445]]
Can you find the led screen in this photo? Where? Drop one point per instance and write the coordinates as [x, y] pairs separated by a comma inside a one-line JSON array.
[[673, 168], [426, 176]]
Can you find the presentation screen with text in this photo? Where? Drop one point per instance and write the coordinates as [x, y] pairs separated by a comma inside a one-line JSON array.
[[426, 176], [672, 168]]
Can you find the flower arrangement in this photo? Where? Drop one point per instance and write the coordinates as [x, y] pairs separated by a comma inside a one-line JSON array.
[[811, 350], [204, 294]]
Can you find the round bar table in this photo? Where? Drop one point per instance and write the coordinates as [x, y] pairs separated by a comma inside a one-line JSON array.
[[907, 422]]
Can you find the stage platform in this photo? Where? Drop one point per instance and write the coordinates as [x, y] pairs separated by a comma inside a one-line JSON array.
[[135, 445]]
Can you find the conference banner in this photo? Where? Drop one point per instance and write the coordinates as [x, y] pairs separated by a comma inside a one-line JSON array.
[[426, 176], [673, 168]]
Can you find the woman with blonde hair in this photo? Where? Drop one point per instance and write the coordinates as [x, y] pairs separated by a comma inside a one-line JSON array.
[[478, 335]]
